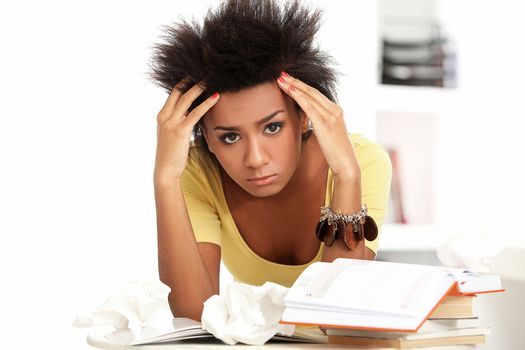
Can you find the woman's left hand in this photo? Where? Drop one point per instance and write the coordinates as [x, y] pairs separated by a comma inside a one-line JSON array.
[[328, 125]]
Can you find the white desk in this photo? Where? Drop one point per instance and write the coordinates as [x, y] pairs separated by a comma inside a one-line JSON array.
[[214, 345]]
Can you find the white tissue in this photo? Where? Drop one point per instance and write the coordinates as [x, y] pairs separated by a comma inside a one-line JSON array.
[[471, 248], [246, 314], [135, 305]]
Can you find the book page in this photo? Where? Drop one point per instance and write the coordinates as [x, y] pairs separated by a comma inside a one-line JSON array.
[[177, 328], [371, 286]]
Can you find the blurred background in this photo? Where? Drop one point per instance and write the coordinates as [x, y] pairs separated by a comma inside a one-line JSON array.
[[439, 83]]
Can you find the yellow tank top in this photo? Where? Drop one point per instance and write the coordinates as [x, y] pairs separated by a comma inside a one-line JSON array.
[[212, 221]]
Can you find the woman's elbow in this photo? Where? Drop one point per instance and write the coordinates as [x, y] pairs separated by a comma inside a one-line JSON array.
[[185, 308]]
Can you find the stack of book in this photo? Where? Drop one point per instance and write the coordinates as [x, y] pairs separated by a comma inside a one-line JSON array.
[[453, 322], [374, 304]]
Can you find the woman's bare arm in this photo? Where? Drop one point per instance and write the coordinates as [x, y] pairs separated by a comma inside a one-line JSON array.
[[189, 268], [329, 127]]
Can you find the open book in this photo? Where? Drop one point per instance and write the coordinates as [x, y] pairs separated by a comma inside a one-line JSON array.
[[182, 329], [376, 295]]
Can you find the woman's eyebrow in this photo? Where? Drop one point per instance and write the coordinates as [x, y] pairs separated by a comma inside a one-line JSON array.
[[259, 122]]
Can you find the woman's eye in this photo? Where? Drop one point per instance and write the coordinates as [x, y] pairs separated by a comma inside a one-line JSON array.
[[273, 128], [230, 138]]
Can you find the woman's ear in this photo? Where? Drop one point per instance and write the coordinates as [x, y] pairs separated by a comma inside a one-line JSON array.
[[305, 122]]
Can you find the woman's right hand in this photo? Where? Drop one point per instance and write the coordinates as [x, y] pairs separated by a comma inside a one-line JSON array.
[[174, 128]]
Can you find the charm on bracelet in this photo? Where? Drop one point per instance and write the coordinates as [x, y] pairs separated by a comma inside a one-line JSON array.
[[352, 228]]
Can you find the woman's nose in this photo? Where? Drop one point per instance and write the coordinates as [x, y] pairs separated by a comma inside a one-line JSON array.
[[255, 156]]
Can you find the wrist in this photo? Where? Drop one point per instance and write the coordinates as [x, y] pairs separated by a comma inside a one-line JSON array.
[[348, 171], [164, 180], [347, 192], [351, 177]]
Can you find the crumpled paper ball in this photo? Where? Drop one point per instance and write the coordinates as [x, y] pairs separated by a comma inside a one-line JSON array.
[[472, 248], [135, 305], [246, 314]]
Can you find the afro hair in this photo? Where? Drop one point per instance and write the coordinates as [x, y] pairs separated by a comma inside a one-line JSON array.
[[241, 44]]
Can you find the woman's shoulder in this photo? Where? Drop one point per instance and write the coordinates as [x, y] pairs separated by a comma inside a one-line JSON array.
[[201, 170], [199, 158], [372, 157], [367, 147]]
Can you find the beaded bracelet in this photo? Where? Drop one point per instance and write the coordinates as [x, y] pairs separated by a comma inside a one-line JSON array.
[[333, 226]]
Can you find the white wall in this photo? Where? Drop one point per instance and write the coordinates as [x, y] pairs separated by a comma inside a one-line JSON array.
[[482, 144], [77, 143]]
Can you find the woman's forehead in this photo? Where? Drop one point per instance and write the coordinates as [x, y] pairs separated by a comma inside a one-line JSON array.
[[255, 102]]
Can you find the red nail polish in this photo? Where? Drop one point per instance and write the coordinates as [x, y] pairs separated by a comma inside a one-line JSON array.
[[215, 95], [292, 88], [283, 73], [281, 80]]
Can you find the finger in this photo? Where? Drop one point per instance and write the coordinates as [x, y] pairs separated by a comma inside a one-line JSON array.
[[196, 114], [310, 91], [174, 96], [310, 106], [185, 101]]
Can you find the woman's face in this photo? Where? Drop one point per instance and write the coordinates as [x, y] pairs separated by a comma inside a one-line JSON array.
[[256, 136]]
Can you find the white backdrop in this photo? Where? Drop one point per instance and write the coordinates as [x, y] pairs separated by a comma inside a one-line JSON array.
[[77, 146], [77, 143]]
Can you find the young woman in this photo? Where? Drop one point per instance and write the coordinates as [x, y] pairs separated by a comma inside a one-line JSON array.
[[269, 149]]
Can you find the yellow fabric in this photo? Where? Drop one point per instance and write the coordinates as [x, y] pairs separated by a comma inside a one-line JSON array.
[[212, 221]]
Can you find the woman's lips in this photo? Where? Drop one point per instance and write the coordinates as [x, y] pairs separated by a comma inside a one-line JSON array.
[[263, 180]]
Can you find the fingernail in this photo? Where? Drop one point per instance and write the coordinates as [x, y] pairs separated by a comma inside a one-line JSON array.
[[281, 80], [292, 88], [283, 73], [215, 95]]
